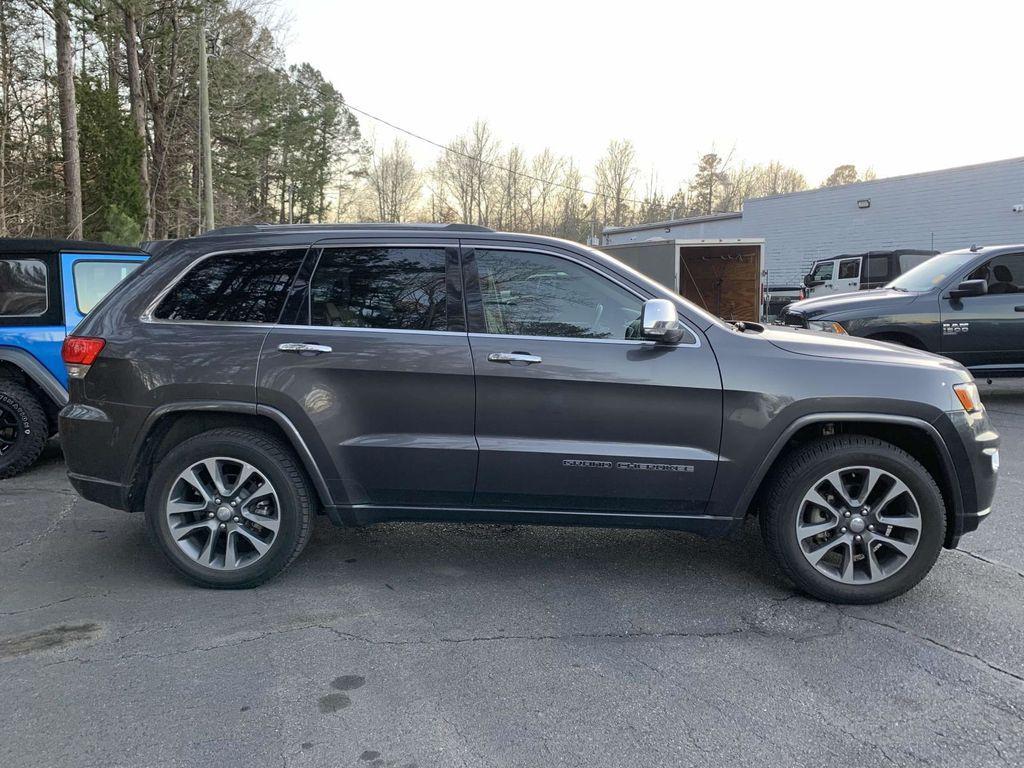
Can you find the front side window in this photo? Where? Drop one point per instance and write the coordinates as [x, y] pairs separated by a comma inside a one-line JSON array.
[[823, 271], [94, 279], [22, 288], [849, 269], [534, 294], [1004, 274], [245, 287], [393, 288]]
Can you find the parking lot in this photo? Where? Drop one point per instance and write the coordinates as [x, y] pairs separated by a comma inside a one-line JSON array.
[[445, 645]]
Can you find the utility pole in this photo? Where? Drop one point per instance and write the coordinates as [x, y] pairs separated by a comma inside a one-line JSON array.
[[204, 117]]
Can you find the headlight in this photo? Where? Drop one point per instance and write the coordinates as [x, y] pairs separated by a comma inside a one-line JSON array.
[[828, 326], [968, 396]]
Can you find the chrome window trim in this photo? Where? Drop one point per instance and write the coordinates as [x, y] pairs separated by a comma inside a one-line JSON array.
[[46, 284], [351, 328], [696, 343]]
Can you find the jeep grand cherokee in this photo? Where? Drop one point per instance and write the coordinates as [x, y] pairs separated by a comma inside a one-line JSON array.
[[253, 377]]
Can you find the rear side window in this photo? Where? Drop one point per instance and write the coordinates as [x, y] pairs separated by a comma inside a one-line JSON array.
[[396, 288], [878, 268], [22, 288], [849, 269], [245, 287], [94, 279]]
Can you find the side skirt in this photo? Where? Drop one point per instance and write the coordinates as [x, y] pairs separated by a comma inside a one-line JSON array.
[[362, 515]]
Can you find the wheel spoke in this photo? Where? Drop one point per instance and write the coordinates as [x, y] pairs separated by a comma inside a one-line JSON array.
[[181, 531], [230, 556], [258, 543], [178, 507], [271, 523], [264, 490], [206, 556], [815, 555], [874, 569], [216, 469], [897, 490], [836, 481], [904, 548], [244, 475], [192, 479], [847, 571], [810, 530], [818, 500], [874, 475]]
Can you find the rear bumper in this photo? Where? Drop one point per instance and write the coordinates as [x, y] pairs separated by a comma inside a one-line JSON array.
[[101, 491], [973, 446], [96, 449]]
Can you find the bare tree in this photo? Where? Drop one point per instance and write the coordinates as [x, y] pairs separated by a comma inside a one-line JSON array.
[[137, 106], [395, 181], [615, 174]]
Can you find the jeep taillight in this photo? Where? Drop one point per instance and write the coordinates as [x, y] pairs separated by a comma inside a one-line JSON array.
[[80, 352]]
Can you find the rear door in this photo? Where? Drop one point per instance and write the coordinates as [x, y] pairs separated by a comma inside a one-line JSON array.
[[573, 410], [373, 365], [987, 331], [847, 276], [88, 277]]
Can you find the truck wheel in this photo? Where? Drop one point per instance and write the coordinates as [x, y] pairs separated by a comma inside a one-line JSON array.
[[230, 508], [853, 519], [23, 428]]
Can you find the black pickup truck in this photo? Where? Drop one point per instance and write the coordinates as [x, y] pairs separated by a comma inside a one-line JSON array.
[[967, 305]]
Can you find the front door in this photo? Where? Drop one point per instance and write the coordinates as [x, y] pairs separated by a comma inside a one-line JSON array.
[[987, 332], [574, 411], [374, 366]]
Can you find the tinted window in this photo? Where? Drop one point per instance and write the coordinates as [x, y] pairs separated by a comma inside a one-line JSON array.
[[1005, 274], [878, 268], [849, 269], [22, 287], [823, 270], [533, 294], [94, 279], [398, 288], [234, 287]]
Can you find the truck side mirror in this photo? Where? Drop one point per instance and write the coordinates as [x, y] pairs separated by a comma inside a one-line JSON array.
[[660, 321], [969, 288], [810, 282]]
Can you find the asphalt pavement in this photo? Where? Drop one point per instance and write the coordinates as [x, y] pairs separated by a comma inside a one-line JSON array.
[[448, 645]]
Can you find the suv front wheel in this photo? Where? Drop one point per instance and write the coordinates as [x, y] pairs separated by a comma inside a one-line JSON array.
[[853, 519], [230, 508]]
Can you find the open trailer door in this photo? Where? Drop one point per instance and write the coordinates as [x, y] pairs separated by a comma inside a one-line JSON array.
[[723, 278]]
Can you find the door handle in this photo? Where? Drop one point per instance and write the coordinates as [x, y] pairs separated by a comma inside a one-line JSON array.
[[304, 349], [1018, 309], [512, 358]]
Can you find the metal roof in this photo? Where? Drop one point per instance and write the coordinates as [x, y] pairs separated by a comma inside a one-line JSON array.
[[674, 222]]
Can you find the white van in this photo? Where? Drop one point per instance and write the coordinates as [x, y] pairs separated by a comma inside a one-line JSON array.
[[861, 271]]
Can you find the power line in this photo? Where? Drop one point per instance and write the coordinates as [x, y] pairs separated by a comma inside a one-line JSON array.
[[439, 145]]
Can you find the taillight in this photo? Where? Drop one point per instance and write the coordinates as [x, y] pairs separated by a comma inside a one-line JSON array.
[[80, 352]]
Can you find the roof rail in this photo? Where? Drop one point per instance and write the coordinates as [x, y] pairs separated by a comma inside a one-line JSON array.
[[245, 229]]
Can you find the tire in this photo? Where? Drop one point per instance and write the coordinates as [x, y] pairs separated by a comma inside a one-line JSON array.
[[23, 428], [858, 566], [201, 555]]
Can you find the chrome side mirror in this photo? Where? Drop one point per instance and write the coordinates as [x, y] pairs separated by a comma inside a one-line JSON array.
[[660, 321]]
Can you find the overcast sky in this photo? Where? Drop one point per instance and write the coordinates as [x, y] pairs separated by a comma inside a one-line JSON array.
[[899, 86]]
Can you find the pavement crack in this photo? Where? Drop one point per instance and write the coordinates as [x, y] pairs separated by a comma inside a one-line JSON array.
[[62, 513], [938, 644], [996, 563]]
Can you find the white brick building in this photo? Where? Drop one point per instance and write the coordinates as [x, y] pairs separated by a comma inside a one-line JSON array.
[[937, 210]]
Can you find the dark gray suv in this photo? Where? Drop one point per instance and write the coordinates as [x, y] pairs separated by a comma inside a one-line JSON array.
[[246, 380]]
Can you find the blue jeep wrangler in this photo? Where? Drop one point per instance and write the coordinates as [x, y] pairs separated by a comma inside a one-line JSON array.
[[46, 288]]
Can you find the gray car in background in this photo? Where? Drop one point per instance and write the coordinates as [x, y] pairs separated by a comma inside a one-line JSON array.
[[246, 380]]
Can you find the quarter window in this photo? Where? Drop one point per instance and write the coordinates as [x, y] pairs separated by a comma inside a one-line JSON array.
[[533, 294], [878, 268], [396, 288], [245, 287], [94, 279], [22, 287]]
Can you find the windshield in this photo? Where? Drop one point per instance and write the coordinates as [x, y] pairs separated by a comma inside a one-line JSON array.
[[932, 273]]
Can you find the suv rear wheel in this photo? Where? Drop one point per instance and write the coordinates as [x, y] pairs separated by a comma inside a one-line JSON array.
[[230, 508], [853, 519], [23, 428]]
